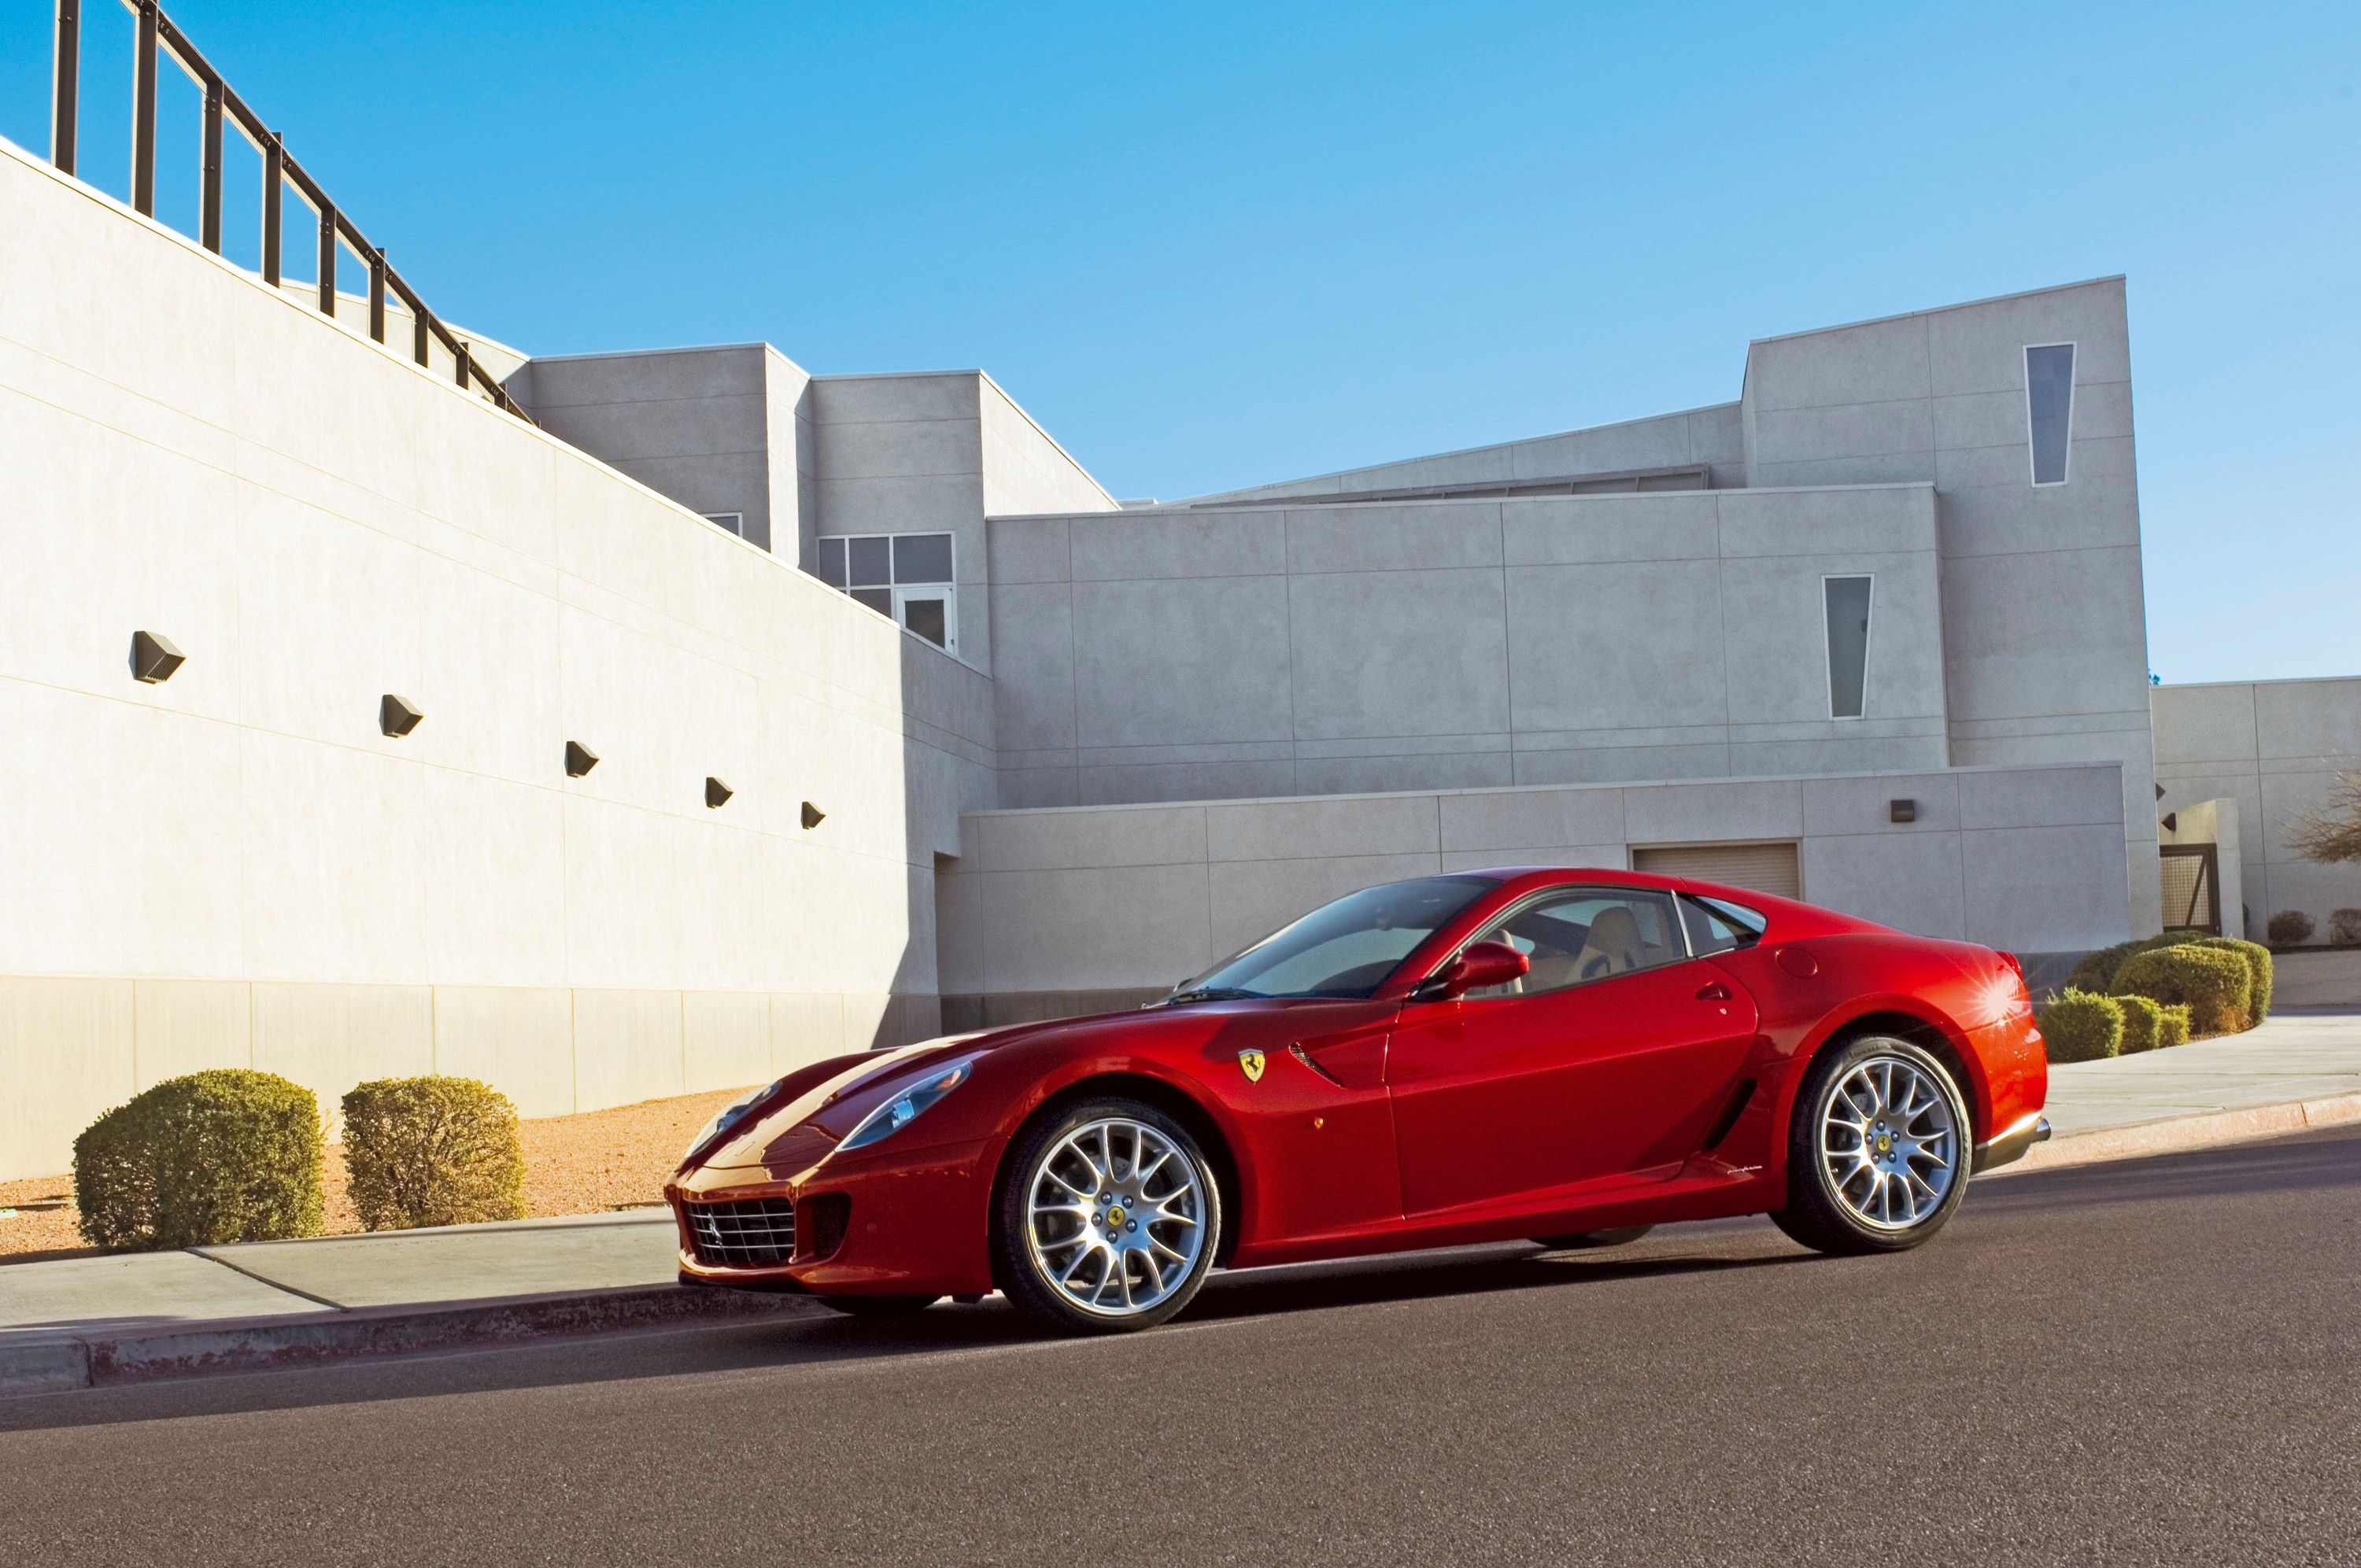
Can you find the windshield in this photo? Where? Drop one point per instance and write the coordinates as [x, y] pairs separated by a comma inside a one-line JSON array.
[[1345, 949]]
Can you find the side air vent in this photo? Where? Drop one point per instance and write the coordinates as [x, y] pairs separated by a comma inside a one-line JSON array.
[[1730, 1113]]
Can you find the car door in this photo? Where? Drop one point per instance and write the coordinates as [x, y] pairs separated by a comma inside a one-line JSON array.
[[1609, 1060]]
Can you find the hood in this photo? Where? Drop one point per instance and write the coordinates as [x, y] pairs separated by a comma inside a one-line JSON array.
[[809, 1112], [803, 1119]]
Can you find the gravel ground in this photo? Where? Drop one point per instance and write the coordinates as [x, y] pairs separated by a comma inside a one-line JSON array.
[[573, 1164]]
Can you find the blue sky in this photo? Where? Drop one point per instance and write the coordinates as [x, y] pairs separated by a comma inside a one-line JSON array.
[[1210, 245]]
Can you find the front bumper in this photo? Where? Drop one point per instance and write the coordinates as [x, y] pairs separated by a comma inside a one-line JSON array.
[[918, 1224], [2009, 1145]]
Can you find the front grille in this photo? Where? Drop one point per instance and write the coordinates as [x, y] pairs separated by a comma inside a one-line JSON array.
[[755, 1232]]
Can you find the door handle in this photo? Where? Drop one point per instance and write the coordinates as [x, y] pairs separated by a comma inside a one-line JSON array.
[[1713, 992]]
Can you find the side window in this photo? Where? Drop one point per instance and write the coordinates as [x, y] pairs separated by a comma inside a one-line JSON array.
[[1587, 934], [1717, 927], [1848, 625], [2050, 409]]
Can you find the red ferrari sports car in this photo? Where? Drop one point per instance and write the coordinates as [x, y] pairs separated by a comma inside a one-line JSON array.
[[1567, 1056]]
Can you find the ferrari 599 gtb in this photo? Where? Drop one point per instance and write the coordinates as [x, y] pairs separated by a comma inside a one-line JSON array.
[[1564, 1056]]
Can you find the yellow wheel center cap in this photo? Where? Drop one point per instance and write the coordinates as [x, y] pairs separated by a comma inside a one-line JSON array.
[[1114, 1216], [1885, 1143]]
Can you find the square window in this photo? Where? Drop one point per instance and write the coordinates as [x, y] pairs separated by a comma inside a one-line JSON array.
[[869, 561], [922, 558], [879, 599], [828, 565]]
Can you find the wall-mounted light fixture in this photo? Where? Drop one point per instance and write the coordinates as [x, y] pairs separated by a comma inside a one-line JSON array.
[[2170, 822], [396, 718], [579, 758], [717, 794], [153, 657], [1901, 811], [813, 816]]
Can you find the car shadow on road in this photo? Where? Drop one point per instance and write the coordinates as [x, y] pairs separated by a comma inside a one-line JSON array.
[[826, 1340]]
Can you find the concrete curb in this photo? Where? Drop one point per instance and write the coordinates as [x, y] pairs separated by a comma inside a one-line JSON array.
[[2174, 1133], [151, 1351]]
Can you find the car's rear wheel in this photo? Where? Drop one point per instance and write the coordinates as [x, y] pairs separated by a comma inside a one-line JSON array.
[[1622, 1235], [1877, 1150], [878, 1306], [1109, 1217]]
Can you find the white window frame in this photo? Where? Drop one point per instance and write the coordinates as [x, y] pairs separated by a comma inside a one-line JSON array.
[[2032, 469], [1828, 650], [947, 591], [737, 524]]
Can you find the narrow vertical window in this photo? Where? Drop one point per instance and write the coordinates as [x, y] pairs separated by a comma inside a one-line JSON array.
[[2049, 408], [1847, 604]]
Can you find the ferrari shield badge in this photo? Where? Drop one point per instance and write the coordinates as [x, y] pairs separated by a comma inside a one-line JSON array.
[[1250, 1063]]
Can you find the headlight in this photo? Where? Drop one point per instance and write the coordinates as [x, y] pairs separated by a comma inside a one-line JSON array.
[[728, 1118], [905, 1108]]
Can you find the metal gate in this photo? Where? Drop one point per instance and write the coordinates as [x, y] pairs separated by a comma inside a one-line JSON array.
[[2192, 899]]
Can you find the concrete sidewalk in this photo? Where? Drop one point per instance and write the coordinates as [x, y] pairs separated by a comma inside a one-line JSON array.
[[75, 1322], [2301, 1070], [459, 1263], [79, 1322]]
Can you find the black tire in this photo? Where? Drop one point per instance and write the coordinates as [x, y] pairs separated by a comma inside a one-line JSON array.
[[1826, 1220], [878, 1306], [1024, 1277], [1622, 1235]]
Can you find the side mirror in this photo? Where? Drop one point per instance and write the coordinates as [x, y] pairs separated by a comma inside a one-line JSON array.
[[1479, 965]]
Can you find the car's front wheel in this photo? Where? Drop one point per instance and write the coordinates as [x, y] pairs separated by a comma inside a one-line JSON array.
[[1108, 1218], [1877, 1154]]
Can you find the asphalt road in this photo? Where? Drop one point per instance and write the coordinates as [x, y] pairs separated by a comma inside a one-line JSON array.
[[2151, 1362]]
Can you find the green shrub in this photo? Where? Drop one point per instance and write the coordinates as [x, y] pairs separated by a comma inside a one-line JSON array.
[[2082, 1027], [2172, 1026], [2211, 983], [225, 1156], [433, 1151], [2344, 927], [2257, 960], [2288, 928], [2095, 973], [2143, 1023]]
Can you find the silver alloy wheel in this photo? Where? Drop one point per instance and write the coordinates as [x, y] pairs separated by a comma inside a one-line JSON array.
[[1889, 1142], [1115, 1217]]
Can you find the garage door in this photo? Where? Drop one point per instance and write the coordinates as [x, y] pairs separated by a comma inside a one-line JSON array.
[[1764, 868]]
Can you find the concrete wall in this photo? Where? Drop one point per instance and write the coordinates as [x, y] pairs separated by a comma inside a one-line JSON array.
[[1023, 469], [1057, 908], [1178, 654], [934, 452], [1710, 436], [714, 429], [235, 867], [2272, 746], [2044, 625]]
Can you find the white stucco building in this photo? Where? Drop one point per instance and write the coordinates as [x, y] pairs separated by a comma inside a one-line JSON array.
[[902, 723]]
